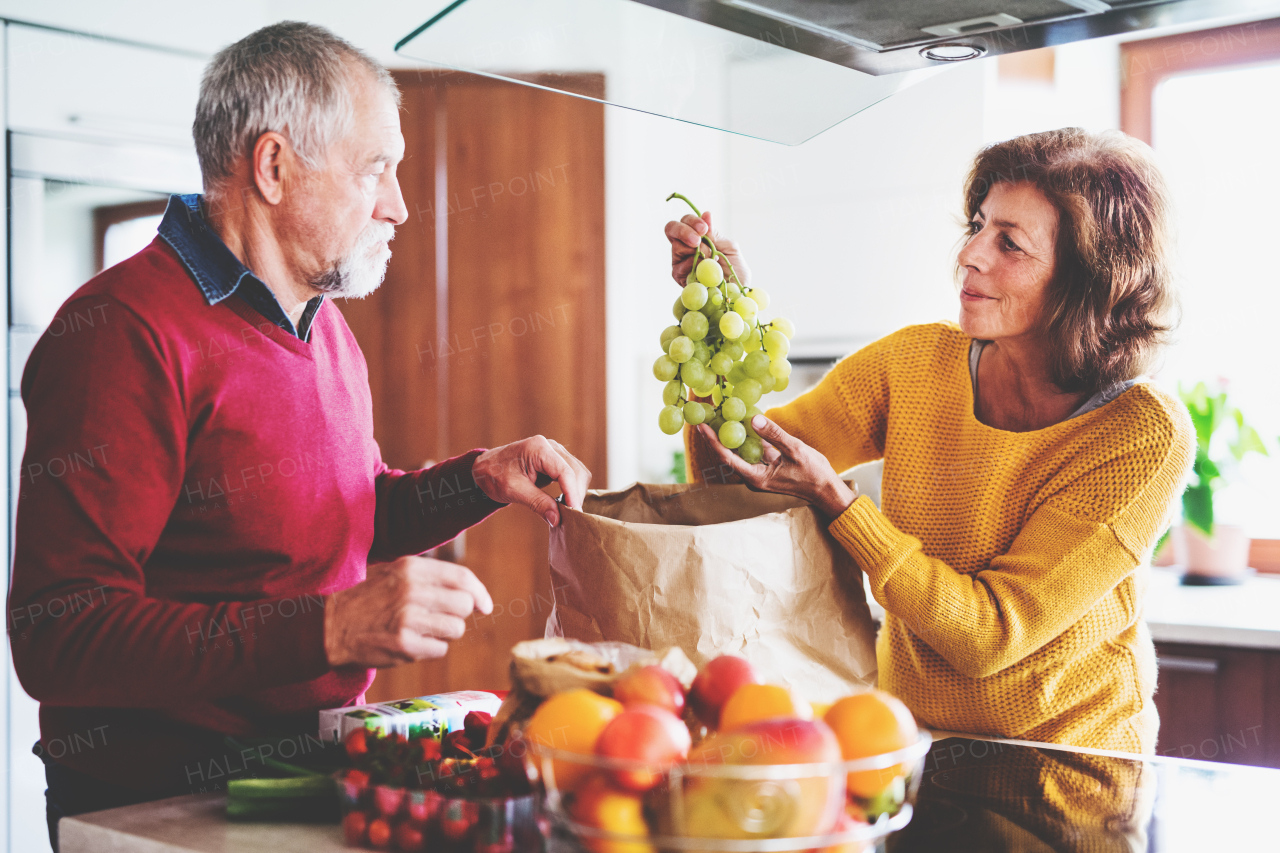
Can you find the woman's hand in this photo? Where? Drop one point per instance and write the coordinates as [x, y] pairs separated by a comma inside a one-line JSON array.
[[685, 236], [789, 467]]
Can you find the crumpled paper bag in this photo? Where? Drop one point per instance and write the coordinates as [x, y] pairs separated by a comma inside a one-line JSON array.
[[715, 569], [540, 668]]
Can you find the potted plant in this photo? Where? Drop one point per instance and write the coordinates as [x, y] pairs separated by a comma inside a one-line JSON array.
[[1210, 552]]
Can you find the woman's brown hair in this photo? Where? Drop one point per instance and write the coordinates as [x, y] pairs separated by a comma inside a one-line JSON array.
[[1111, 300]]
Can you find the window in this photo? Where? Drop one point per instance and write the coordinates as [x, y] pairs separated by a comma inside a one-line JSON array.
[[122, 230], [1206, 102]]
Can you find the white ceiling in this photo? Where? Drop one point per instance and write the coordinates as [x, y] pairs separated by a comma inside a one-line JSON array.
[[373, 25]]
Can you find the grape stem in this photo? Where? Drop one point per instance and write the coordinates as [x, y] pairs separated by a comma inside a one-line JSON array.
[[707, 239]]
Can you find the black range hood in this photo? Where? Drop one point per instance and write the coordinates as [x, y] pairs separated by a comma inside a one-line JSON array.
[[891, 36], [781, 70]]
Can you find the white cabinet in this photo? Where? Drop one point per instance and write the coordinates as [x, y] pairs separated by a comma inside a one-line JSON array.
[[63, 84]]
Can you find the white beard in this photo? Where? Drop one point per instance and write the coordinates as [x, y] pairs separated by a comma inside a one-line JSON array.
[[361, 270]]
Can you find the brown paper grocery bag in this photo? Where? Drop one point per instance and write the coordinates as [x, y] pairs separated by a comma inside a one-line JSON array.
[[715, 569], [541, 668]]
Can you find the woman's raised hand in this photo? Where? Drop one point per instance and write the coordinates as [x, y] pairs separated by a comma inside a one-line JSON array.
[[685, 236], [789, 467]]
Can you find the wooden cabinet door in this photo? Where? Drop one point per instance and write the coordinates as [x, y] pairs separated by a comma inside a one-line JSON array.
[[1219, 704], [490, 325]]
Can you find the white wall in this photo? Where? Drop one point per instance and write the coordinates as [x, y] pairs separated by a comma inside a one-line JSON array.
[[852, 232]]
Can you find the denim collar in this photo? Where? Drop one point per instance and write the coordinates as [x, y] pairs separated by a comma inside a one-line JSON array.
[[215, 268]]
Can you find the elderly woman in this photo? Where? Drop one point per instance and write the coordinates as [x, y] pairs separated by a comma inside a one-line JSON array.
[[1028, 466]]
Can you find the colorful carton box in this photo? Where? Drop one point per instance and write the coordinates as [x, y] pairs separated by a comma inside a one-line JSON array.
[[433, 716]]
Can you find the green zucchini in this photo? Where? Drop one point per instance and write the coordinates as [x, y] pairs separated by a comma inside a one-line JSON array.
[[304, 798], [274, 789]]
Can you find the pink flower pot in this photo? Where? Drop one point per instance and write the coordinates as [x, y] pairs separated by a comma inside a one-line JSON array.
[[1222, 559]]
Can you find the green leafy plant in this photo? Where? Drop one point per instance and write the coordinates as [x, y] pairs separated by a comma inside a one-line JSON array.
[[677, 466], [1210, 412]]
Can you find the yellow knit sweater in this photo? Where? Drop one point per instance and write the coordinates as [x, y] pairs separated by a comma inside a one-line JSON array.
[[1011, 565]]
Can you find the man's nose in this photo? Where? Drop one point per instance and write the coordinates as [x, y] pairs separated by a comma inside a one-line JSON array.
[[391, 207]]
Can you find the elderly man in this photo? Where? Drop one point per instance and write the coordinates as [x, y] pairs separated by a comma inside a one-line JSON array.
[[233, 554]]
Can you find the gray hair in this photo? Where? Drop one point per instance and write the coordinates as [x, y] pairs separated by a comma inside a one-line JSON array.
[[290, 77]]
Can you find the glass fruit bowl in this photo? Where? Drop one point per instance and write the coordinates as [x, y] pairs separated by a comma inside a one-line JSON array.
[[611, 804], [408, 819]]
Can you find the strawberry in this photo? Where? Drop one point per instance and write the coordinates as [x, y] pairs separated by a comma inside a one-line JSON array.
[[388, 799], [357, 744], [476, 725]]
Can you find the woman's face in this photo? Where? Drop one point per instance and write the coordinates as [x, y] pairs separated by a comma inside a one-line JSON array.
[[1007, 262]]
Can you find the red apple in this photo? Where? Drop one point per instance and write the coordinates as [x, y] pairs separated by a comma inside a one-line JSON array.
[[810, 804], [716, 683], [650, 685], [644, 733]]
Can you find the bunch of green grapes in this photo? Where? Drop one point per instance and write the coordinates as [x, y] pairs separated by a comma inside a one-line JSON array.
[[721, 350]]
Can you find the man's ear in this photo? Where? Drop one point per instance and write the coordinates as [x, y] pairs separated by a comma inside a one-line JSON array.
[[273, 158]]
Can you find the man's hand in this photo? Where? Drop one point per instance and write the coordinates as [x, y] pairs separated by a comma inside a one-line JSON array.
[[509, 474], [401, 612], [685, 236], [788, 467]]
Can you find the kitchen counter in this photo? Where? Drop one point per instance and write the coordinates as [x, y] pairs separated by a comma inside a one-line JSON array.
[[976, 794], [1245, 616], [186, 824]]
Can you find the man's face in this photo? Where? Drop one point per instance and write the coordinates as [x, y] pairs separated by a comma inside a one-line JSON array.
[[345, 213]]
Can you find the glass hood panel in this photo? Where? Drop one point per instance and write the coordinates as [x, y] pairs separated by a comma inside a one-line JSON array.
[[656, 62]]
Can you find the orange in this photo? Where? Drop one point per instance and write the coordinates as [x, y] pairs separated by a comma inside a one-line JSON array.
[[867, 724], [571, 720], [600, 805], [751, 703]]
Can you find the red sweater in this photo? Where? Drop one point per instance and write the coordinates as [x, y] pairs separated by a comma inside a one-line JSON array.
[[195, 480]]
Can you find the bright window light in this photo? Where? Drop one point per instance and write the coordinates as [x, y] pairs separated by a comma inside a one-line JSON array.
[[125, 239], [1214, 134]]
